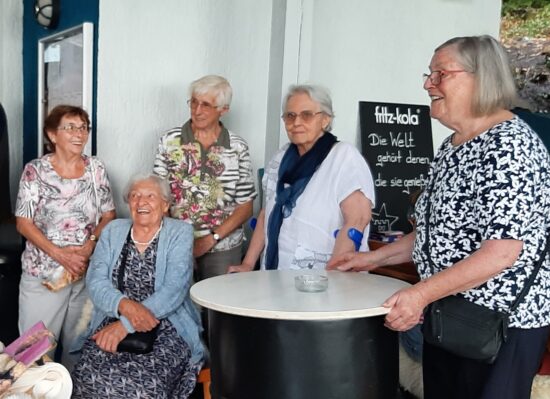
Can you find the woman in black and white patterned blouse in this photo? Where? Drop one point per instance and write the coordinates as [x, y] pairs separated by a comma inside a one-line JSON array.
[[489, 221]]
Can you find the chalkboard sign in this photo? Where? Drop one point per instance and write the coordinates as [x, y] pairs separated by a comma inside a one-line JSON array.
[[396, 140]]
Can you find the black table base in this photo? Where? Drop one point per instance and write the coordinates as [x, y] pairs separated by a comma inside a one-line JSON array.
[[254, 358]]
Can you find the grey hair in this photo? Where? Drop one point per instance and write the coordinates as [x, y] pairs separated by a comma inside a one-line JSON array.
[[161, 183], [486, 59], [317, 93], [216, 85]]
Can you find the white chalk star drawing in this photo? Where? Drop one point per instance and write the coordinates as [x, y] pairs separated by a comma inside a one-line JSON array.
[[382, 220]]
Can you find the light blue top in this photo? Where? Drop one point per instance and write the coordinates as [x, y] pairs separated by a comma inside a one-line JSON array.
[[173, 278]]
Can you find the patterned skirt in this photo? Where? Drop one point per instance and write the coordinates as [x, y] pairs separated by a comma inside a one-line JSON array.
[[164, 373]]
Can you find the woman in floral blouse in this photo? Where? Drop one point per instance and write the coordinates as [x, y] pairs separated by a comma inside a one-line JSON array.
[[64, 201], [209, 171]]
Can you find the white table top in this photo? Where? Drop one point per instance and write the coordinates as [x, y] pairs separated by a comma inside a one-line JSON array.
[[272, 295]]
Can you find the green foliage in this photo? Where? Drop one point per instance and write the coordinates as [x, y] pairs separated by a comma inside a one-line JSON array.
[[525, 18], [515, 6]]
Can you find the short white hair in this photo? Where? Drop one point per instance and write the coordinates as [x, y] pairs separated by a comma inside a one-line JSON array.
[[215, 85], [317, 93], [161, 183]]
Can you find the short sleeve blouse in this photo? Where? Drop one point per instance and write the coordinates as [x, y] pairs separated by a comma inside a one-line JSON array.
[[207, 184], [306, 239], [495, 186], [64, 210]]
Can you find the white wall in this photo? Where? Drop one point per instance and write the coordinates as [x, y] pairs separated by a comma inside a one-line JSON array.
[[148, 55], [360, 49], [371, 50], [11, 83], [368, 50]]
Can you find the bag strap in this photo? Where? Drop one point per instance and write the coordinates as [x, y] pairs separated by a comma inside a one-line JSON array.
[[123, 261], [426, 250], [94, 185]]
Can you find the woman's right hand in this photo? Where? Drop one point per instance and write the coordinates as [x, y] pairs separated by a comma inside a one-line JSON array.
[[399, 251], [353, 261], [240, 268], [74, 262], [406, 308], [142, 319], [110, 336], [68, 257]]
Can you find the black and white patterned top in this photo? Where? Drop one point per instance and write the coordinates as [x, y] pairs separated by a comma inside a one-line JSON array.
[[495, 186]]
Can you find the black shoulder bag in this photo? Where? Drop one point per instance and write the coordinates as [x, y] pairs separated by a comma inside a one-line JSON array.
[[138, 342], [464, 328]]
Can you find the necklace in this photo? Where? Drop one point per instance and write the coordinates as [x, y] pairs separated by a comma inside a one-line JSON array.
[[148, 242]]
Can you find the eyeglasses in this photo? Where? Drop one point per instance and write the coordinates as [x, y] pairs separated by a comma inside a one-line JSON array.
[[305, 116], [194, 104], [71, 128], [436, 76]]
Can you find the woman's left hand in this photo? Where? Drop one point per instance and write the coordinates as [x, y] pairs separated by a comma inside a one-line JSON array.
[[86, 250], [141, 318], [110, 336], [407, 307], [203, 245]]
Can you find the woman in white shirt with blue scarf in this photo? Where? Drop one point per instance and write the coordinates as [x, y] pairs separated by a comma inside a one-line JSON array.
[[314, 186]]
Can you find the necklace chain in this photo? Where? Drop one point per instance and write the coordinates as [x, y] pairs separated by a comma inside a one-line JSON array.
[[148, 242]]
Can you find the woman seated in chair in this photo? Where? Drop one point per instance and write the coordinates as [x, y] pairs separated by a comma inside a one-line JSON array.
[[139, 280]]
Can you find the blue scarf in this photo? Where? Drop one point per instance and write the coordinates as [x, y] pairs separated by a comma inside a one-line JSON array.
[[295, 172]]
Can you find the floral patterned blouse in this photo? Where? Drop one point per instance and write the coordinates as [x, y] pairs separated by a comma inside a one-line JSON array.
[[206, 185], [65, 210]]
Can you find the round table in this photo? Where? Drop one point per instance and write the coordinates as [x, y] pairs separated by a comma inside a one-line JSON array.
[[270, 341]]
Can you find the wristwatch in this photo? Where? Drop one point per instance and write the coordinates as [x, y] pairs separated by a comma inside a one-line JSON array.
[[216, 236], [93, 237]]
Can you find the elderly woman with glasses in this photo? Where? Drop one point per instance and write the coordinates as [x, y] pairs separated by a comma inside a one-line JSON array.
[[64, 201], [482, 226], [319, 192], [139, 281], [209, 171]]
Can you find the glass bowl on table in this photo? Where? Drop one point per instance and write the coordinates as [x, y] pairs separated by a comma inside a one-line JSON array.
[[311, 282]]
